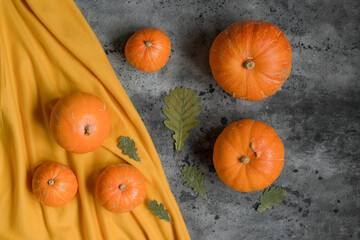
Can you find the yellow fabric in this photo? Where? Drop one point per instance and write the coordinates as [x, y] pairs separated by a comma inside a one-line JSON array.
[[47, 50]]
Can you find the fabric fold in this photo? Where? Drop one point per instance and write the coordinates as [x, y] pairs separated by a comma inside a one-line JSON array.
[[47, 50]]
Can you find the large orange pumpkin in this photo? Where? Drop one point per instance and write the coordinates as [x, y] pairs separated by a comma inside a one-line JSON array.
[[54, 184], [248, 155], [120, 188], [148, 49], [80, 122], [251, 59]]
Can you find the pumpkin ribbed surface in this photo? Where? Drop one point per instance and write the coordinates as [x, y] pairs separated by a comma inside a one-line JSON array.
[[120, 188], [80, 122], [251, 59], [54, 184], [248, 155], [148, 49]]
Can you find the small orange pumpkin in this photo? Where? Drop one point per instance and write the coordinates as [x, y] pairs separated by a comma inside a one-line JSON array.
[[248, 155], [54, 184], [120, 188], [80, 122], [148, 49], [251, 59]]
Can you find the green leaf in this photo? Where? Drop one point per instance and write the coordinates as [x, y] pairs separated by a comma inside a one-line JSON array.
[[195, 179], [273, 196], [183, 108], [159, 210], [128, 146]]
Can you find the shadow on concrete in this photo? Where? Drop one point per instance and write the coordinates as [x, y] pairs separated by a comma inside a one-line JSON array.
[[204, 147], [197, 51], [118, 45]]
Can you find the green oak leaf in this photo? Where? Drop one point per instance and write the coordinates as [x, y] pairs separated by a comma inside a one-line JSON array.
[[273, 196], [159, 210], [183, 108], [195, 179], [128, 146]]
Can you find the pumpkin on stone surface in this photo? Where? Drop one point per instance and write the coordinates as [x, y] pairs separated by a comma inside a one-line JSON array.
[[148, 49], [120, 188], [248, 155], [54, 184], [251, 59], [80, 122]]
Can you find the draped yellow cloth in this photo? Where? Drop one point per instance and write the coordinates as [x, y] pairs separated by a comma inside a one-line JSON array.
[[47, 50]]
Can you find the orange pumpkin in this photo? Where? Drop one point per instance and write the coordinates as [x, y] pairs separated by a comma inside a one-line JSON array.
[[80, 122], [251, 59], [120, 188], [248, 155], [148, 49], [54, 184]]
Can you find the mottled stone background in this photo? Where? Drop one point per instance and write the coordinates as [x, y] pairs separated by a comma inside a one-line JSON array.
[[316, 114]]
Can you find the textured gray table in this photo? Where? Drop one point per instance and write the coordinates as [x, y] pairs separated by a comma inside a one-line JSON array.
[[316, 113]]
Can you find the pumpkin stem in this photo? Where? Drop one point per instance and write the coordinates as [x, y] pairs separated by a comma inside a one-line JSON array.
[[249, 64], [88, 129], [148, 43], [245, 159], [122, 187], [252, 148], [51, 182]]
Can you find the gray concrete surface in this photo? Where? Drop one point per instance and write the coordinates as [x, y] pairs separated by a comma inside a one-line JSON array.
[[317, 112]]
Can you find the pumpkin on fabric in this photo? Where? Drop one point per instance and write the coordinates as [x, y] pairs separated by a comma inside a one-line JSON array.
[[248, 155], [148, 49], [80, 122], [251, 59], [54, 184], [120, 188]]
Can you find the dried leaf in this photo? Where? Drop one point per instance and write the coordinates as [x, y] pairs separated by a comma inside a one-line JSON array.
[[195, 179], [159, 210], [273, 196], [128, 146], [183, 108]]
